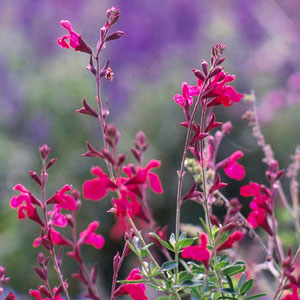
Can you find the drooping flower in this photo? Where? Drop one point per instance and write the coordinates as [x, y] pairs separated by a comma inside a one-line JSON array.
[[200, 252], [37, 294], [135, 290], [235, 237], [96, 189], [58, 218], [232, 169], [260, 205], [89, 236], [56, 238], [75, 39], [186, 97]]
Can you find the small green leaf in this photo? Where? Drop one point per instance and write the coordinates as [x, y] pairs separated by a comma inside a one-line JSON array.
[[241, 281], [185, 243], [205, 227], [230, 282], [219, 266], [182, 236], [144, 253], [164, 243], [163, 298], [237, 268], [255, 296], [172, 240], [246, 286], [169, 265], [132, 281], [189, 283]]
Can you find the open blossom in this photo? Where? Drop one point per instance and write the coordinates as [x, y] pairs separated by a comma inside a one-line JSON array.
[[232, 169], [233, 238], [56, 237], [143, 175], [186, 96], [75, 40], [89, 236], [96, 189], [221, 92], [260, 205], [58, 218], [198, 253], [294, 295], [37, 295], [135, 290], [62, 199]]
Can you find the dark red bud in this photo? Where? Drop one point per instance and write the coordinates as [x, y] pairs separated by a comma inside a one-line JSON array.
[[108, 156], [34, 175], [116, 261], [121, 159], [215, 72], [39, 272], [44, 151], [45, 291], [199, 74], [114, 36], [204, 66], [59, 290], [87, 110], [91, 66], [220, 61]]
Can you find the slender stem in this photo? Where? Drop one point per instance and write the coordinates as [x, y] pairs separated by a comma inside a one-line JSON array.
[[57, 269], [181, 174], [203, 169]]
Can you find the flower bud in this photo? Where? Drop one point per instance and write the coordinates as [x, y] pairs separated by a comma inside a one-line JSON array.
[[44, 151]]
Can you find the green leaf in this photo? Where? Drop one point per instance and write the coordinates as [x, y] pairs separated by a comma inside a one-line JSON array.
[[205, 227], [132, 281], [185, 243], [189, 283], [169, 265], [163, 298], [230, 283], [237, 268], [182, 236], [241, 281], [164, 243], [185, 275], [172, 240], [255, 296], [219, 266], [246, 286]]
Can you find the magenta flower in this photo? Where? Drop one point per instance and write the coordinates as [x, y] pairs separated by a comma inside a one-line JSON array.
[[186, 97], [235, 237], [143, 175], [232, 169], [59, 219], [260, 206], [75, 39], [200, 252], [62, 199], [96, 189], [89, 236], [56, 237], [294, 295], [37, 295], [135, 290]]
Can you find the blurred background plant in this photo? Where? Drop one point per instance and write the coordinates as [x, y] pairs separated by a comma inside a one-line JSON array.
[[41, 85]]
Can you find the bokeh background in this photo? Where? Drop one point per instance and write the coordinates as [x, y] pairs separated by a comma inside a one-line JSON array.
[[42, 84]]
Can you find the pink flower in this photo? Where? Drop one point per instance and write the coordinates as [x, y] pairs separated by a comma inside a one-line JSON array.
[[198, 253], [62, 199], [29, 199], [89, 236], [232, 169], [96, 189], [56, 237], [75, 39], [226, 95], [144, 174], [135, 290], [186, 97], [59, 219], [294, 295], [37, 295], [235, 237], [260, 206]]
